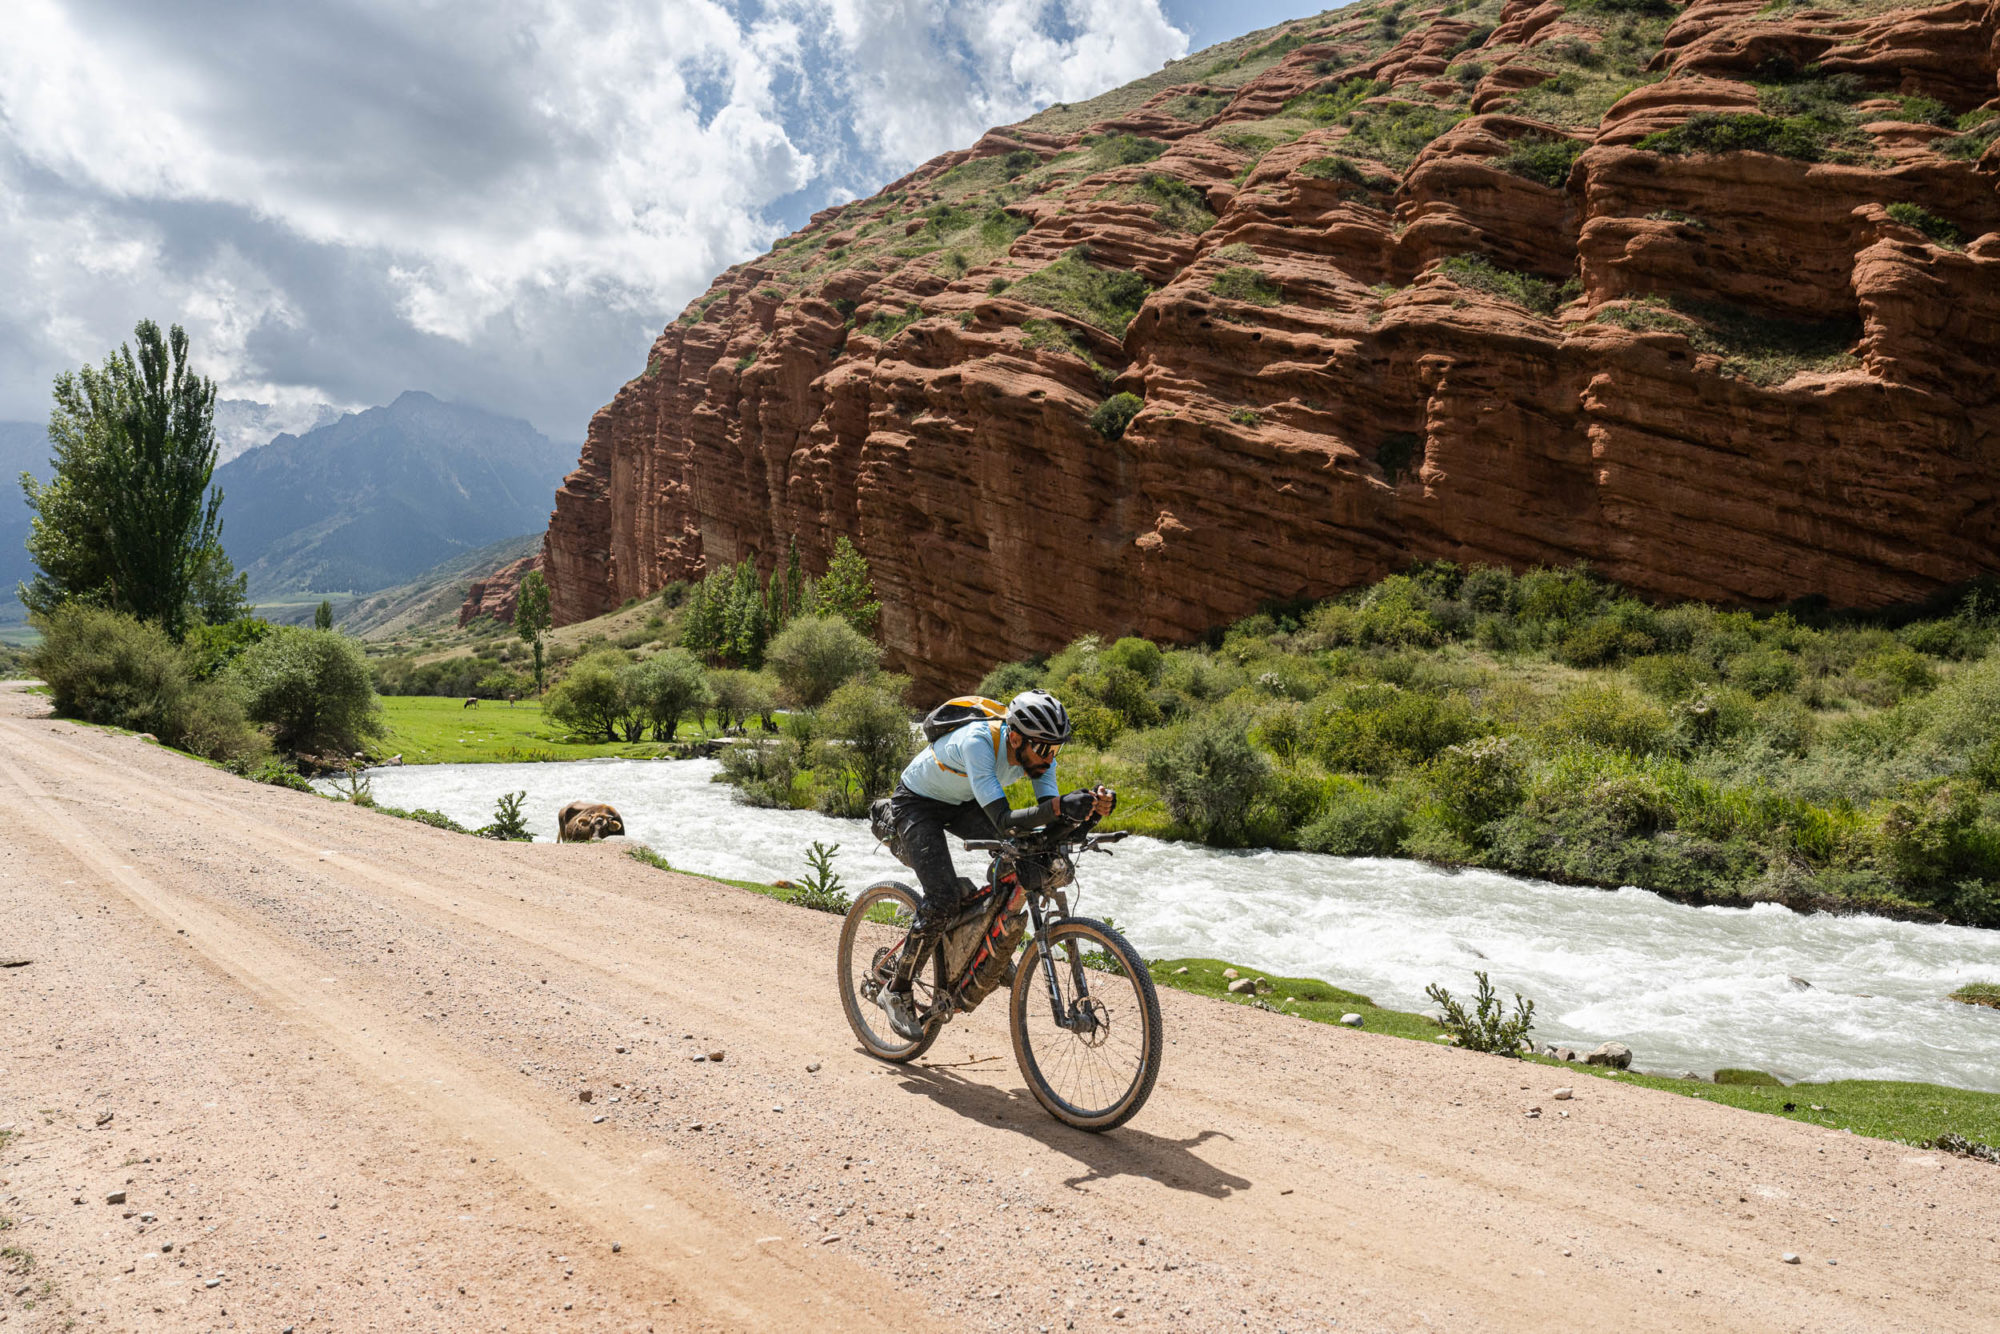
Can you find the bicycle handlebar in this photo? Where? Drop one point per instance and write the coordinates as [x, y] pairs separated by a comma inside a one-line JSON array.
[[1087, 842]]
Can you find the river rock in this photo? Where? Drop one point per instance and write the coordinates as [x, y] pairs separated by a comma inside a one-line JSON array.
[[1230, 974], [1563, 1094], [1243, 986], [1614, 1054], [1799, 984], [1351, 1020]]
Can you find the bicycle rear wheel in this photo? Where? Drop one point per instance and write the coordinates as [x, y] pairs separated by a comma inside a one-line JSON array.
[[877, 924], [1095, 1065]]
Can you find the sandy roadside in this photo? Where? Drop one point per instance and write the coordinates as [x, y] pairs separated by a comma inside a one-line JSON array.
[[334, 1059]]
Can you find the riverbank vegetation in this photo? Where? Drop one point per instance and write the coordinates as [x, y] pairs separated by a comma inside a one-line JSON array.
[[1549, 725]]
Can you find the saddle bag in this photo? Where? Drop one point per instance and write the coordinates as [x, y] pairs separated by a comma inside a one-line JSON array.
[[882, 824]]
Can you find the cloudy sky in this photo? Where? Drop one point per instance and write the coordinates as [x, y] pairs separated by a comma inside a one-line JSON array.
[[498, 201]]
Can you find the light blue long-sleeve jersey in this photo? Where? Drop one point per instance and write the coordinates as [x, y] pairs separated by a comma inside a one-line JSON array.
[[971, 764]]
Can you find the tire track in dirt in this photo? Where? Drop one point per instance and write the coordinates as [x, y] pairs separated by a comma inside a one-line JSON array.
[[729, 1266]]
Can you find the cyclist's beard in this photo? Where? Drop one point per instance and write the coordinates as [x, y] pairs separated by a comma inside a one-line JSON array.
[[1034, 770]]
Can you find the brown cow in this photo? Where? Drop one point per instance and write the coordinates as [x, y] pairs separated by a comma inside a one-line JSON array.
[[582, 821], [472, 702]]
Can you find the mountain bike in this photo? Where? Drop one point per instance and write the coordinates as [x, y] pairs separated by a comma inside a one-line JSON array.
[[1083, 1013]]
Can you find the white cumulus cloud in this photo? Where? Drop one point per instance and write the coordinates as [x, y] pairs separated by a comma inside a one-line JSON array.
[[495, 200]]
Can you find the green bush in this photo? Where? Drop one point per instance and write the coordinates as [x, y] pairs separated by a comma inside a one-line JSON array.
[[1477, 783], [1749, 1078], [1763, 672], [312, 689], [1244, 283], [1121, 150], [106, 667], [1107, 298], [867, 739], [1544, 160], [1929, 223], [1481, 274], [1208, 775], [1488, 1028], [1398, 132], [1114, 414], [663, 689], [1179, 207], [1606, 716], [1010, 679], [1708, 132], [590, 699], [1357, 821], [814, 656]]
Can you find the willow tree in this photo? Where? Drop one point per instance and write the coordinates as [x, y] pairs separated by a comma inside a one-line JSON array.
[[129, 520]]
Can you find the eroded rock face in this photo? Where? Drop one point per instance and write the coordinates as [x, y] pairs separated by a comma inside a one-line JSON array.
[[497, 593], [1757, 383]]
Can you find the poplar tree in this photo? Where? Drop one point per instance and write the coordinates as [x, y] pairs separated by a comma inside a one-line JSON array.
[[129, 520]]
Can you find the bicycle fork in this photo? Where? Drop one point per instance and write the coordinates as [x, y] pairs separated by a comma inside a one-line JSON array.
[[1079, 1015]]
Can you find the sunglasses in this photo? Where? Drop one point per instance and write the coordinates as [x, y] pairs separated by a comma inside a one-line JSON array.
[[1041, 750]]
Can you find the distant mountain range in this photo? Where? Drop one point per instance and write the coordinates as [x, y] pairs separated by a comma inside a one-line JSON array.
[[379, 497], [366, 502], [24, 447]]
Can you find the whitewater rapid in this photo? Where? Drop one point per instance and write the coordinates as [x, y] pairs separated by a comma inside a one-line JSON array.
[[1686, 988]]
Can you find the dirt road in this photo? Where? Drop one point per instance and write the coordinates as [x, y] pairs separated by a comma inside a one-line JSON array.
[[333, 1061]]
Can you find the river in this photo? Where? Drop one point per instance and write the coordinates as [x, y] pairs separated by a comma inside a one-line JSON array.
[[1686, 988]]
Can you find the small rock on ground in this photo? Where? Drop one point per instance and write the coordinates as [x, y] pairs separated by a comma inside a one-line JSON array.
[[1351, 1020]]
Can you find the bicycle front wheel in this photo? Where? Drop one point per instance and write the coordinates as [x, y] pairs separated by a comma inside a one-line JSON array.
[[1088, 1043], [877, 926]]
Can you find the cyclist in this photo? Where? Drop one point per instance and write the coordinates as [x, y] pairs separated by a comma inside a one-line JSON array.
[[958, 785]]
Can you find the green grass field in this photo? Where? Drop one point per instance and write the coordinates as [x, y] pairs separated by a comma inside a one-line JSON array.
[[431, 729]]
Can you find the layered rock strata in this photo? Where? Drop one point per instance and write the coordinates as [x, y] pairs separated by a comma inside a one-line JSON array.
[[497, 593], [1402, 284]]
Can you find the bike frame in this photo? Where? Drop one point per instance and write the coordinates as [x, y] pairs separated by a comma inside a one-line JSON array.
[[1005, 854]]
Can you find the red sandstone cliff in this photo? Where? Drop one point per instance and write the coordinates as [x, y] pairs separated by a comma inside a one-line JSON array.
[[496, 594], [1758, 385]]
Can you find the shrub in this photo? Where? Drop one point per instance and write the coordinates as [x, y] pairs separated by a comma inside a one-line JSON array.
[[1357, 821], [1010, 679], [820, 888], [1740, 132], [1379, 728], [106, 667], [1180, 207], [867, 739], [1208, 775], [1481, 274], [1243, 283], [1764, 672], [590, 699], [814, 656], [766, 773], [659, 691], [1488, 1028], [1107, 298], [1477, 783], [1543, 160], [1929, 223], [312, 689], [1121, 150], [1398, 132], [1749, 1079], [1892, 675], [509, 825], [1114, 414], [738, 696]]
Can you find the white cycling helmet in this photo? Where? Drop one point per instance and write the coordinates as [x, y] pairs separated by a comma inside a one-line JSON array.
[[1039, 716]]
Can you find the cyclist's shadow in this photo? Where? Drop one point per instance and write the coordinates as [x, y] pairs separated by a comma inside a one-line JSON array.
[[1126, 1151]]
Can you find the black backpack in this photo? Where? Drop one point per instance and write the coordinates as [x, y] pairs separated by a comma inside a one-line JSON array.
[[953, 714]]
